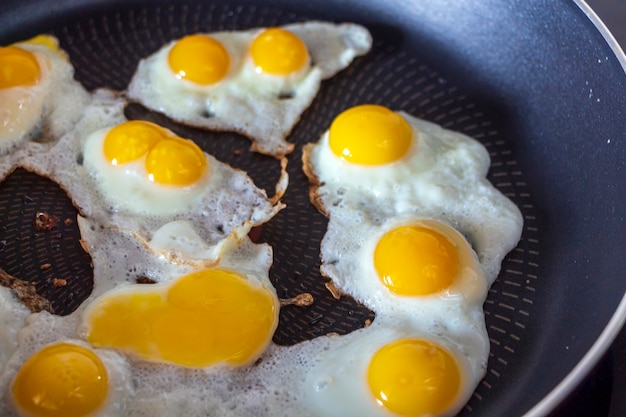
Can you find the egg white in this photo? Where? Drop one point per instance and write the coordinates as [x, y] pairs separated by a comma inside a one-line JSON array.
[[12, 318]]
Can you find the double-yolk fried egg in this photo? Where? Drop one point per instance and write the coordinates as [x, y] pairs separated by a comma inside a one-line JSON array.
[[256, 82], [39, 98], [145, 168], [138, 176], [221, 312], [197, 314]]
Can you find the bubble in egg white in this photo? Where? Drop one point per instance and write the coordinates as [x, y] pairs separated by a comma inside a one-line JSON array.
[[264, 107]]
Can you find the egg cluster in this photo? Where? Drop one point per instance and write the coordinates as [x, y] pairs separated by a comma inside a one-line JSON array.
[[416, 233], [256, 82]]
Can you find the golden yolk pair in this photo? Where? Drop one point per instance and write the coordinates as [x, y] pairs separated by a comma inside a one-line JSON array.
[[199, 320], [169, 159], [204, 60]]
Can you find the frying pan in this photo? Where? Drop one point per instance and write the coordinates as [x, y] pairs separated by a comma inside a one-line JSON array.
[[541, 84]]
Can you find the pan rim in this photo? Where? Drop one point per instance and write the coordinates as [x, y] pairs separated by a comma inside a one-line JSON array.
[[618, 320]]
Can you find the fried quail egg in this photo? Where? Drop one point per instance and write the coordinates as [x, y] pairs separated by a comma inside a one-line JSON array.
[[403, 266], [39, 98], [70, 379], [396, 370], [256, 82]]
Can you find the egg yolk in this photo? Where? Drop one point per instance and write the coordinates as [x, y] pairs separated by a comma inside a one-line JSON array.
[[169, 160], [61, 380], [369, 135], [201, 319], [416, 260], [131, 140], [414, 377], [277, 51], [18, 67], [200, 59]]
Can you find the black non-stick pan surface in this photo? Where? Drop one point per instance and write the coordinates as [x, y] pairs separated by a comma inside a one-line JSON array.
[[536, 82]]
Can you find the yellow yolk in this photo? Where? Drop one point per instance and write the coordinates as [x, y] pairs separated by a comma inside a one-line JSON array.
[[18, 67], [279, 52], [175, 161], [414, 377], [199, 59], [201, 319], [49, 42], [416, 260], [169, 160], [369, 135], [61, 380], [129, 141]]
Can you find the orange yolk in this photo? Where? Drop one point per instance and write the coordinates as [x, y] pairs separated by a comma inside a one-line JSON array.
[[277, 51], [416, 260], [414, 377], [201, 319], [199, 59], [169, 160], [18, 67], [369, 135], [61, 380]]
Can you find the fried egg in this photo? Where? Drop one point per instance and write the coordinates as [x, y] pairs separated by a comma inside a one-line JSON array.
[[223, 312], [39, 98], [256, 82], [69, 379], [390, 370], [138, 176]]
